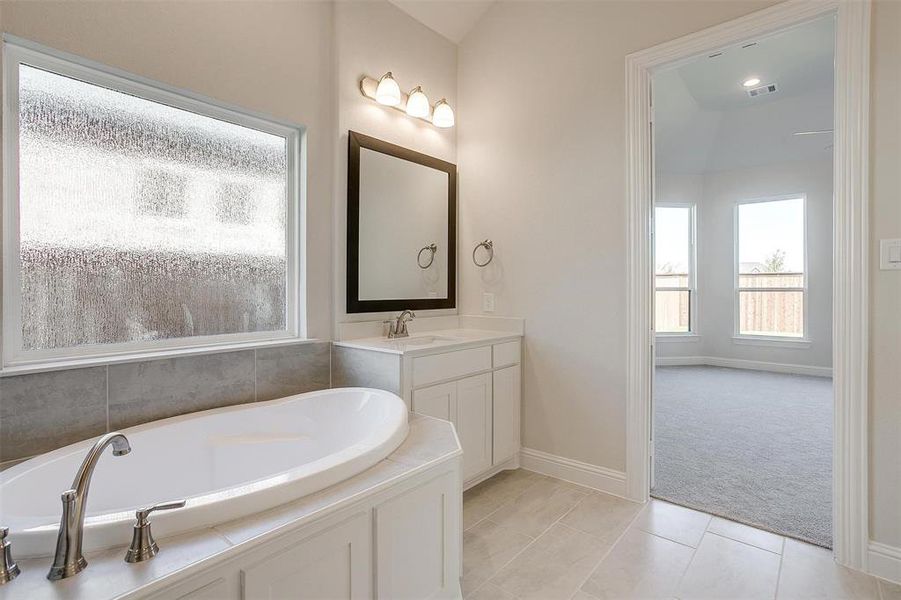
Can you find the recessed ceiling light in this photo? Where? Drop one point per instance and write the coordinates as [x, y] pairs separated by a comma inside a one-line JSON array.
[[751, 82]]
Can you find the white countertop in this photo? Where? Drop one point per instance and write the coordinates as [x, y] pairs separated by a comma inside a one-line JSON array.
[[429, 442], [431, 342]]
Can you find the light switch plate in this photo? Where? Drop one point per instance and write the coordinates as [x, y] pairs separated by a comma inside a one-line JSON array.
[[890, 255], [488, 302]]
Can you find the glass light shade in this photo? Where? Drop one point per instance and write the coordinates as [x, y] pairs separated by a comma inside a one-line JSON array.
[[418, 104], [388, 92], [443, 115]]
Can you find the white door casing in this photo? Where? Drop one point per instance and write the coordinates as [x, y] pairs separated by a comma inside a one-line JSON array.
[[850, 248]]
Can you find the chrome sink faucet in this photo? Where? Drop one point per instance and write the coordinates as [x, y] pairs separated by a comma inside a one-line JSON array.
[[398, 327], [68, 559]]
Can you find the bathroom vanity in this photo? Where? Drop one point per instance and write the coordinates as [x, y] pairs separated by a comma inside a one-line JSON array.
[[402, 257], [470, 377]]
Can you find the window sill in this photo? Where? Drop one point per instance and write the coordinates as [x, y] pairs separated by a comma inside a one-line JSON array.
[[677, 337], [102, 361], [776, 342]]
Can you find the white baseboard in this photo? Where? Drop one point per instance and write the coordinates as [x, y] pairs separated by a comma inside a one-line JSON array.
[[884, 561], [736, 363], [680, 361], [602, 479]]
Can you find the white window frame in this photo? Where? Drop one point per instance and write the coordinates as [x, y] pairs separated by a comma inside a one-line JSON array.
[[802, 341], [692, 288], [13, 358]]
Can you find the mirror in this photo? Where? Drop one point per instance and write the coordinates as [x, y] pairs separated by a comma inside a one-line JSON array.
[[401, 228]]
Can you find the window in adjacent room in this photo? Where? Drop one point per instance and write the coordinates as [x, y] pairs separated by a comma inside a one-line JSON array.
[[140, 219], [771, 282], [674, 257]]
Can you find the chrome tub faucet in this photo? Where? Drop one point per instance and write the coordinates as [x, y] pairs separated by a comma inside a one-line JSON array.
[[68, 559], [9, 570]]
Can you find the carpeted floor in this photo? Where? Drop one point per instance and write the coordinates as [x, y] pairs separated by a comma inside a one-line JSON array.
[[752, 446]]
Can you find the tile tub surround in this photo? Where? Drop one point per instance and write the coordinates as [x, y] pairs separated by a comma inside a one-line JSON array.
[[40, 412], [603, 547], [353, 367], [429, 443], [44, 411]]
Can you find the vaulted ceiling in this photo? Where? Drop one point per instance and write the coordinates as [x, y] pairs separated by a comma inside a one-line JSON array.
[[706, 121], [451, 18]]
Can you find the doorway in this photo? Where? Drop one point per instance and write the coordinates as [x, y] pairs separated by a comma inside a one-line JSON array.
[[850, 533], [742, 394]]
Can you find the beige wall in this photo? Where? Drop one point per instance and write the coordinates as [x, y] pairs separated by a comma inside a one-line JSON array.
[[270, 57], [716, 194], [542, 171], [885, 286], [541, 154], [371, 38]]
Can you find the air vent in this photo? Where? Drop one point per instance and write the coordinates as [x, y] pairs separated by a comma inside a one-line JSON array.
[[763, 90]]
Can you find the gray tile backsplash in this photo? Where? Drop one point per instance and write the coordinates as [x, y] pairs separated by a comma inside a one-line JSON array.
[[43, 411], [147, 391], [353, 367], [288, 370]]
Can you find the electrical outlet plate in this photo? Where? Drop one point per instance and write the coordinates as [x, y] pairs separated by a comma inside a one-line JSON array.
[[487, 302]]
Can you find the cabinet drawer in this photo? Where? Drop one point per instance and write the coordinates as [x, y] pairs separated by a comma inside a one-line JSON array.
[[451, 365], [506, 354]]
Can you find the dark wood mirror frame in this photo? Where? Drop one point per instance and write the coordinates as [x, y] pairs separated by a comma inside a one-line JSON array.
[[356, 141]]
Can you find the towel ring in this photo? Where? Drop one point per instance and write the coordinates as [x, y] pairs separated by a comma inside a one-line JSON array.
[[489, 247], [431, 247]]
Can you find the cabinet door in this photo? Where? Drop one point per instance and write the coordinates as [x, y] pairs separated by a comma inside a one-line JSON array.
[[436, 401], [506, 413], [417, 538], [335, 563], [474, 423]]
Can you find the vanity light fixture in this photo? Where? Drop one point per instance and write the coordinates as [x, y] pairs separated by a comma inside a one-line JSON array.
[[751, 82], [386, 91], [443, 115], [418, 103]]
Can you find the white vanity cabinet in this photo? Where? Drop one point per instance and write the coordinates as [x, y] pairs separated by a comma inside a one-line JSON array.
[[470, 377], [467, 403], [479, 392], [506, 385]]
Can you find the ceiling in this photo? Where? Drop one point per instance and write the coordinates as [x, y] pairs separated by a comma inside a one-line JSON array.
[[706, 121], [451, 18]]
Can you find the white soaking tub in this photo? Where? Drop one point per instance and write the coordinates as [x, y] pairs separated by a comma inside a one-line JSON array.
[[227, 463]]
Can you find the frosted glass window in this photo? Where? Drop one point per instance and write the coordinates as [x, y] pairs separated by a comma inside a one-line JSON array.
[[140, 221]]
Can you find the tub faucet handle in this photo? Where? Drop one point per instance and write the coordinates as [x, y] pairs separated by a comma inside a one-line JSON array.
[[143, 546], [9, 570]]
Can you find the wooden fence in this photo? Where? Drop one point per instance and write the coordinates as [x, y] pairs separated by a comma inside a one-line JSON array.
[[767, 311]]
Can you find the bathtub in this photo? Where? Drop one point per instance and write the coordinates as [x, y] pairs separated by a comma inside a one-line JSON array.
[[227, 463]]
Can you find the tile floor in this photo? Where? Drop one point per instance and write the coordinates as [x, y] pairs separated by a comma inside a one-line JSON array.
[[534, 537]]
